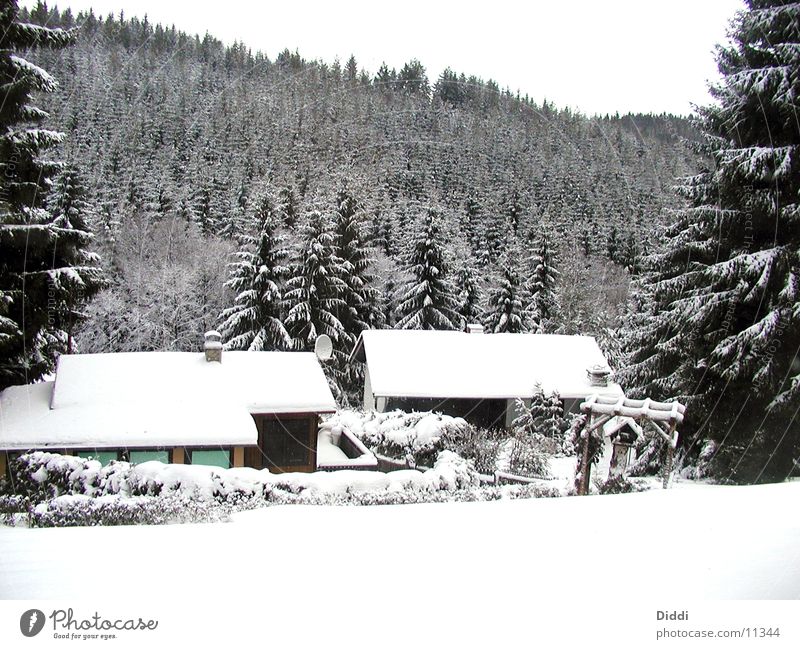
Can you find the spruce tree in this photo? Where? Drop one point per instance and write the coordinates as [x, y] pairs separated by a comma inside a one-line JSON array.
[[70, 211], [362, 298], [255, 321], [362, 308], [315, 296], [469, 295], [720, 328], [526, 452], [541, 283], [506, 313], [46, 272], [316, 288], [429, 300]]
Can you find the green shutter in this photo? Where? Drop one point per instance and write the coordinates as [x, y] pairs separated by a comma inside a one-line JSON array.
[[220, 458], [137, 457], [104, 457]]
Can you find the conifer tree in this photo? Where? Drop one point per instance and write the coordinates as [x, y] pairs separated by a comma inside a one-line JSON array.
[[255, 321], [429, 300], [70, 211], [722, 327], [506, 313], [469, 295], [362, 298], [362, 308], [527, 454], [541, 284], [46, 272], [287, 206], [316, 288]]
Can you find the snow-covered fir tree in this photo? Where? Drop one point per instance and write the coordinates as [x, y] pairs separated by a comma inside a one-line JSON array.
[[46, 272], [470, 294], [70, 211], [362, 298], [316, 287], [255, 321], [547, 412], [362, 308], [720, 326], [429, 301], [505, 312], [315, 294], [541, 283], [526, 453]]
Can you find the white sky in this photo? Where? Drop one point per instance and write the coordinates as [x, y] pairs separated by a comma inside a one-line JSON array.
[[597, 56]]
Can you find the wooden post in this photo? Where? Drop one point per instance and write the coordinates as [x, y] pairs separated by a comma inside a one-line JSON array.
[[583, 485], [670, 453], [238, 456]]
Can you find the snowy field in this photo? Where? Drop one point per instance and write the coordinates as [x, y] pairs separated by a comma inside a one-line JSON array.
[[698, 541]]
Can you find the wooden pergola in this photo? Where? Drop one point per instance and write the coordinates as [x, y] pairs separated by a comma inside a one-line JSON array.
[[662, 418]]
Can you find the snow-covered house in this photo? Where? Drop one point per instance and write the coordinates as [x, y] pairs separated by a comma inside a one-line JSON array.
[[476, 376], [254, 409]]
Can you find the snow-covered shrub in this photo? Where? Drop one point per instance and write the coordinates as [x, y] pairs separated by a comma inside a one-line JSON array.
[[155, 493], [10, 504], [43, 475], [478, 445], [530, 449], [620, 485], [399, 435], [78, 510], [418, 437], [451, 472]]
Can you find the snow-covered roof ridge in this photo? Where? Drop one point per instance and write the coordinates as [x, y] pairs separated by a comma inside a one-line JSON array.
[[456, 364]]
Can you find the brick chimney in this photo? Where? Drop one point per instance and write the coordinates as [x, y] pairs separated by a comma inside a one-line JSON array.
[[213, 346]]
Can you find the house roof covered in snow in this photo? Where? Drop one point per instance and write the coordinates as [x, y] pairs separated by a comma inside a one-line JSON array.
[[160, 399], [454, 364]]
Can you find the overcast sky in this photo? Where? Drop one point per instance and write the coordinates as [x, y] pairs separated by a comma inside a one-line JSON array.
[[596, 56]]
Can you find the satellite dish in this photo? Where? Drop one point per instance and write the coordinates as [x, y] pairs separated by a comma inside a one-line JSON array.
[[323, 348]]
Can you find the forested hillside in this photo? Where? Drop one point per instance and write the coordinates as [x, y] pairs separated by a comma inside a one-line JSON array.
[[181, 151]]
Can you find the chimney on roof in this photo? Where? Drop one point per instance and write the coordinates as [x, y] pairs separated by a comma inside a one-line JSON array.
[[598, 375], [474, 329], [213, 346]]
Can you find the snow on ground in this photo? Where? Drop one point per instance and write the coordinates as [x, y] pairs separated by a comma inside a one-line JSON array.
[[695, 542]]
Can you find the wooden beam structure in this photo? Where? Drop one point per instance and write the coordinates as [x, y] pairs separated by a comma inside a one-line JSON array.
[[660, 417]]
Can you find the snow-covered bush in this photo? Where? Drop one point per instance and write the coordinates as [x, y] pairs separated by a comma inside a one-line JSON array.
[[478, 445], [13, 504], [54, 490], [42, 475], [530, 449], [620, 485], [77, 510], [419, 436], [399, 435]]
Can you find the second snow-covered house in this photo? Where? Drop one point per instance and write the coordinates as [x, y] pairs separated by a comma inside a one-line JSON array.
[[231, 409], [477, 376]]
